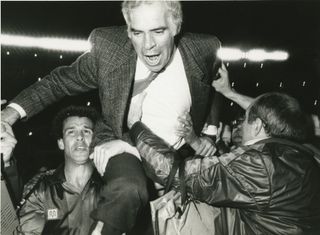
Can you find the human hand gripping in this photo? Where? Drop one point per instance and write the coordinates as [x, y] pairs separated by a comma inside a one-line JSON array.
[[203, 146], [185, 129], [102, 153], [222, 84], [8, 143]]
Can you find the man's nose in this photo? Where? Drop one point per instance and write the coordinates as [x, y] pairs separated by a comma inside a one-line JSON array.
[[149, 42], [80, 135]]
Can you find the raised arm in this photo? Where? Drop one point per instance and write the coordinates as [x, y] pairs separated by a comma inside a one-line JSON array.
[[80, 76], [223, 86]]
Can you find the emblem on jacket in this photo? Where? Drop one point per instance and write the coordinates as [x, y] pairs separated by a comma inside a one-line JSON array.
[[52, 214]]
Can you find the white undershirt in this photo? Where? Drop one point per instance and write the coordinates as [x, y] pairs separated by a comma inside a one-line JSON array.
[[168, 97]]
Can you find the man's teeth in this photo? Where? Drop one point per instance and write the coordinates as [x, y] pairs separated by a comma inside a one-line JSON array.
[[82, 148], [153, 59]]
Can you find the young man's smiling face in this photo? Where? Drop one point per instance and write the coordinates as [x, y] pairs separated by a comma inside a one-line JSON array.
[[152, 32]]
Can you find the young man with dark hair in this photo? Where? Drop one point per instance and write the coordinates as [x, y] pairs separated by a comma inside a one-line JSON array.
[[62, 200]]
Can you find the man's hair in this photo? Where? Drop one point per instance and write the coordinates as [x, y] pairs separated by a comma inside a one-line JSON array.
[[173, 7], [281, 115], [71, 111]]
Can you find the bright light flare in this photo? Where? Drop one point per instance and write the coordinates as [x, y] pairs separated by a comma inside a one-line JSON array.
[[50, 43], [256, 55], [278, 55], [76, 45], [230, 54]]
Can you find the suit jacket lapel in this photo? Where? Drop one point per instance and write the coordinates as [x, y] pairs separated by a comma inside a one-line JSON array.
[[118, 85], [199, 90]]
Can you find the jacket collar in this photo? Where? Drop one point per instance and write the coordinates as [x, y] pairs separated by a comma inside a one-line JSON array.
[[195, 72], [58, 177]]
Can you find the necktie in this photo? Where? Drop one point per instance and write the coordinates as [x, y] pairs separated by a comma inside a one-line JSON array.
[[140, 85]]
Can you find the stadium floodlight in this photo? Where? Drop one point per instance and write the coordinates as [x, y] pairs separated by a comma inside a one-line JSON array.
[[278, 55], [230, 54], [76, 45], [50, 43], [255, 55]]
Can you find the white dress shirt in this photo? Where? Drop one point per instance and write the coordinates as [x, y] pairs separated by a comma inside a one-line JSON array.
[[167, 98]]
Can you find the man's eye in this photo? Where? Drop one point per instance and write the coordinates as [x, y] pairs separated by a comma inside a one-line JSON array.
[[88, 132], [160, 31], [70, 132], [135, 33]]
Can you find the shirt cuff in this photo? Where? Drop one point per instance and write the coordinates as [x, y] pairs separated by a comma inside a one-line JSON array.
[[19, 109], [210, 130]]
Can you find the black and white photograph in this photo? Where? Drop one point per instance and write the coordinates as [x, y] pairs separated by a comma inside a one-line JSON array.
[[160, 117]]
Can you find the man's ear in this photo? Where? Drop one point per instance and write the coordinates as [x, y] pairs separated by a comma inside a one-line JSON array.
[[128, 32], [60, 144], [258, 126]]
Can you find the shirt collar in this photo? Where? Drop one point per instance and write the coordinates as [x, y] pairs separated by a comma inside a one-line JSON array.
[[59, 177]]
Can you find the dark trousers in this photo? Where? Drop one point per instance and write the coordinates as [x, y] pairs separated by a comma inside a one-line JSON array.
[[123, 196]]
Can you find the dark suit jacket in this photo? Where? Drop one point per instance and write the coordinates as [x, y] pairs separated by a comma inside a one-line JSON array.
[[110, 66]]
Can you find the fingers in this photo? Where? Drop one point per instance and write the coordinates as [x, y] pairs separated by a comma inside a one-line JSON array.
[[223, 66], [182, 132], [185, 122], [222, 84], [7, 138], [100, 159], [102, 153], [5, 127], [8, 143]]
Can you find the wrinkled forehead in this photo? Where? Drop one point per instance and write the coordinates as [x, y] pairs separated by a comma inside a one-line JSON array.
[[76, 121]]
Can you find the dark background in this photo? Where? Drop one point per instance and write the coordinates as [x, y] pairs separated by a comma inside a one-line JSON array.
[[293, 26]]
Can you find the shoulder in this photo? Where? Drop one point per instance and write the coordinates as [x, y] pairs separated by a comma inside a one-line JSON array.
[[203, 49], [246, 160], [39, 181], [115, 34], [203, 41]]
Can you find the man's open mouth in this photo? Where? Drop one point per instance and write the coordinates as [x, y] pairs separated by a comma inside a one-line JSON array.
[[152, 59], [82, 148]]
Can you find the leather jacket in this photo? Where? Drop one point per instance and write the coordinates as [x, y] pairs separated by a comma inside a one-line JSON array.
[[269, 187], [56, 208]]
